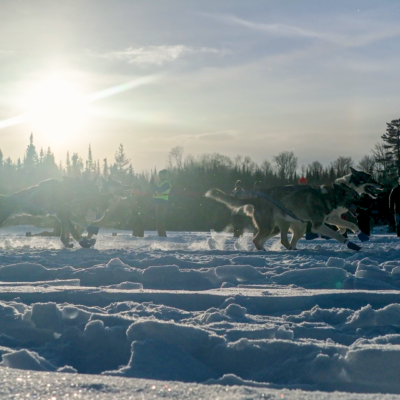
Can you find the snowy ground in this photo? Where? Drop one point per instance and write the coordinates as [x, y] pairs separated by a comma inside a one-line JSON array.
[[198, 308]]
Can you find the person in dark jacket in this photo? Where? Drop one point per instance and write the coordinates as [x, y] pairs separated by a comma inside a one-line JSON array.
[[394, 206]]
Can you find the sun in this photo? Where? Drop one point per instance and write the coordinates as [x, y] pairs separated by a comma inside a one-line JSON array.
[[56, 108]]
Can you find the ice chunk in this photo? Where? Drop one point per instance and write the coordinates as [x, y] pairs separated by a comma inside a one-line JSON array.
[[94, 328], [25, 359], [67, 369], [235, 311], [155, 359], [25, 272], [116, 263], [192, 339], [129, 285], [336, 262], [47, 316]]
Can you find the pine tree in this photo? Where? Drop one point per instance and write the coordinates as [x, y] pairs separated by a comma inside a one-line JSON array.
[[90, 166], [120, 166], [68, 165], [77, 165], [31, 157], [105, 168], [392, 140], [131, 173], [120, 159], [19, 165], [41, 155]]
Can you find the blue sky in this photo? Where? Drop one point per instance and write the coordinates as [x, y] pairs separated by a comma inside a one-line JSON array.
[[237, 77]]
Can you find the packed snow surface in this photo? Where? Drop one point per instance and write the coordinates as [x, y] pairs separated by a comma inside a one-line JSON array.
[[198, 315]]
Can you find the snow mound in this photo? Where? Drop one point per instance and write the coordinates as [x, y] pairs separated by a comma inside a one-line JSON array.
[[25, 359]]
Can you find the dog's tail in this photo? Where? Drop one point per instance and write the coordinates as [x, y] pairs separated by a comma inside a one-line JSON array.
[[236, 205]]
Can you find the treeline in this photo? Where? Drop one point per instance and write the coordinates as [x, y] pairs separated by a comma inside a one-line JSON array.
[[37, 166], [192, 176]]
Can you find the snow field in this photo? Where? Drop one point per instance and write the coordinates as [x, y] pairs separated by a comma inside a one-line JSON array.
[[187, 310]]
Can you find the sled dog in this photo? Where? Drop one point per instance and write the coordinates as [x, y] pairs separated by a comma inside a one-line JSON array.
[[71, 201], [362, 183], [113, 187], [296, 205]]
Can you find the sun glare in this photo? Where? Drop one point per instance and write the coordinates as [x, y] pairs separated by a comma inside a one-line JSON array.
[[56, 108]]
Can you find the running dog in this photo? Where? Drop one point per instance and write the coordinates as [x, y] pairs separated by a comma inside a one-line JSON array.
[[72, 201], [362, 183], [359, 181], [291, 208]]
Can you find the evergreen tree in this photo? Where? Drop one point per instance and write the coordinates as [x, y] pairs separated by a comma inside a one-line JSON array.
[[90, 167], [41, 155], [120, 167], [77, 165], [31, 157], [392, 145], [68, 165], [120, 159], [19, 165], [131, 174], [105, 168]]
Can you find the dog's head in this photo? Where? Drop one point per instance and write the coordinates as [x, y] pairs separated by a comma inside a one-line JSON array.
[[114, 187], [363, 183]]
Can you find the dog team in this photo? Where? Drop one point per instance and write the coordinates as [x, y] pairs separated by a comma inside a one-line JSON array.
[[79, 204]]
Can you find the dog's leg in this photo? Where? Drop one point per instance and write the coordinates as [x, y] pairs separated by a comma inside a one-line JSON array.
[[259, 240], [284, 227], [264, 227], [64, 236], [298, 230], [262, 236], [342, 224], [326, 231]]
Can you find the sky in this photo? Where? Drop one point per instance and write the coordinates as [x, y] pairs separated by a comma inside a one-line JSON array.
[[253, 78]]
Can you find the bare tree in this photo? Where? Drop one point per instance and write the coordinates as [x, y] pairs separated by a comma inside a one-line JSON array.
[[383, 160], [237, 161], [189, 160], [315, 168], [286, 164], [175, 158], [266, 167], [367, 164], [342, 165]]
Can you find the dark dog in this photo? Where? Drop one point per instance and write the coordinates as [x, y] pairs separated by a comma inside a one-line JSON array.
[[72, 201], [289, 208]]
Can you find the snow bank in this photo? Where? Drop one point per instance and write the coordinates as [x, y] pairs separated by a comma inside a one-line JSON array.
[[178, 310]]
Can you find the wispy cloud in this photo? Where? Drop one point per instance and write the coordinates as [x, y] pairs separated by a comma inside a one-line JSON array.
[[209, 136], [158, 55], [354, 34]]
